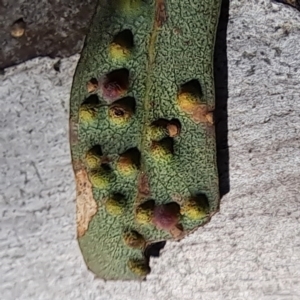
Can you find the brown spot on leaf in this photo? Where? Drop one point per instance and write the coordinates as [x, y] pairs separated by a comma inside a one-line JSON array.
[[86, 205], [210, 118], [201, 114], [161, 13], [143, 185], [92, 85], [177, 232], [174, 128]]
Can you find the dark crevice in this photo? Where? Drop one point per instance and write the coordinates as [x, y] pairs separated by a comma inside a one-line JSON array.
[[115, 84], [124, 39], [201, 200], [93, 99], [193, 87], [133, 155], [148, 205], [57, 65], [127, 103], [153, 250], [166, 143], [106, 167], [221, 86], [96, 150]]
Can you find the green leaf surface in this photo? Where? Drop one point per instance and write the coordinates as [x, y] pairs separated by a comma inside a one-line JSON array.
[[141, 130]]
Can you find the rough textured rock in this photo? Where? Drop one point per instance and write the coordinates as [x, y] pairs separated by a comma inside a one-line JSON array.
[[250, 250], [53, 28]]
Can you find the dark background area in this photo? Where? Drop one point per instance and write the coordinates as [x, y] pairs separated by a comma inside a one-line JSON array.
[[54, 28]]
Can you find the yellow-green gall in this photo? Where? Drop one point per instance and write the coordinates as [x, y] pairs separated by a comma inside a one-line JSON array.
[[129, 6], [144, 212], [99, 178], [92, 161], [118, 52], [121, 111], [163, 128], [156, 133], [195, 208], [115, 204], [187, 101], [93, 157], [139, 267], [162, 150], [129, 162], [87, 113], [125, 166], [118, 115], [120, 47], [134, 240]]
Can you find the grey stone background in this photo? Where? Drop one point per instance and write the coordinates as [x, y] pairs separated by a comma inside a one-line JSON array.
[[250, 249]]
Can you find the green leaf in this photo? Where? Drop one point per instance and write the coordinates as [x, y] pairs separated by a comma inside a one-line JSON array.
[[141, 130]]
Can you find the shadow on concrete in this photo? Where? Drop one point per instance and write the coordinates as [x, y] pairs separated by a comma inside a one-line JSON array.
[[221, 85]]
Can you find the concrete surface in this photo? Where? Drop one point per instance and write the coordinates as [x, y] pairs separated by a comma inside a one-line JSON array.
[[250, 250]]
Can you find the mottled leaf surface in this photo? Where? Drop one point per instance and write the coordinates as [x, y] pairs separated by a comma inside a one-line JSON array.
[[141, 130]]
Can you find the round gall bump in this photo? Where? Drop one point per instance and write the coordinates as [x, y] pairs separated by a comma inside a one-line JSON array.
[[118, 52], [87, 113], [129, 162], [162, 128], [129, 7], [125, 166], [139, 267], [134, 240], [195, 208], [18, 28], [93, 157], [92, 85], [163, 149], [144, 212], [166, 216], [187, 101], [156, 133], [174, 128], [115, 205], [120, 48], [119, 115], [100, 178], [88, 110], [189, 96], [121, 111], [114, 85]]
